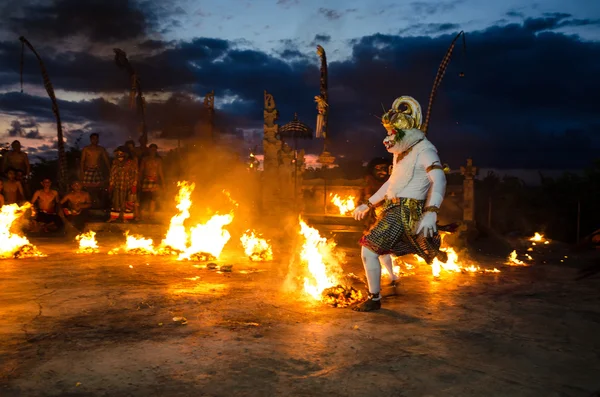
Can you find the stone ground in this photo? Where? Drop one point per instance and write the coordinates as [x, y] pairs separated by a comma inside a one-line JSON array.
[[100, 325]]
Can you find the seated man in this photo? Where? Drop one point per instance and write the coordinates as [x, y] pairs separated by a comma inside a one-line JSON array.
[[78, 203], [13, 190], [45, 201]]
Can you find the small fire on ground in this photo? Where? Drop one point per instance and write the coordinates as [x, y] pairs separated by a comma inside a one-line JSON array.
[[202, 242], [513, 259], [135, 244], [13, 245], [256, 248], [453, 264], [87, 243], [345, 205], [538, 238], [323, 271]]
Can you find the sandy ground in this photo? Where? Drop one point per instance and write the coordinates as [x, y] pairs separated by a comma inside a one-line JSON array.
[[100, 325]]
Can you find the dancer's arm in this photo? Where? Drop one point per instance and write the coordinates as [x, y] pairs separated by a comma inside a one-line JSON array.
[[430, 161], [435, 172], [380, 194]]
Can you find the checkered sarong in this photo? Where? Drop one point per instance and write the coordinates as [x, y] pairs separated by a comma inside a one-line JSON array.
[[92, 176], [150, 184], [393, 233]]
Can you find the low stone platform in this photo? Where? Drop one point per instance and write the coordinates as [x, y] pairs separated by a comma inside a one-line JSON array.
[[131, 227], [334, 223]]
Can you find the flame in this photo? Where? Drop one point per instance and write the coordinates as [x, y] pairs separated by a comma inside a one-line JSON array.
[[177, 237], [344, 205], [208, 238], [87, 243], [136, 244], [257, 248], [315, 250], [453, 264], [513, 261], [537, 237], [324, 270], [201, 242], [12, 245]]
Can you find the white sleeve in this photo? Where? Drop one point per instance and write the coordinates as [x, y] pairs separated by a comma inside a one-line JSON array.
[[380, 194], [430, 160]]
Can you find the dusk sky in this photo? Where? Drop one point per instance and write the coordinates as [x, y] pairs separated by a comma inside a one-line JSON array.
[[530, 96]]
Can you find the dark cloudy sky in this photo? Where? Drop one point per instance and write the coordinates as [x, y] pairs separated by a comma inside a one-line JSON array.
[[530, 96]]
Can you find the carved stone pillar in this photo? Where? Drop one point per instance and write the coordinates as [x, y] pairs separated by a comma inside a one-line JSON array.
[[469, 172], [271, 148]]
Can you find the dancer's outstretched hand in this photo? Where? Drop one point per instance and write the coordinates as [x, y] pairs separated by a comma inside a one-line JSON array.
[[428, 224], [360, 212]]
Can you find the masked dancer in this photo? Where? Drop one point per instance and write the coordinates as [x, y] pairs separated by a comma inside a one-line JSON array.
[[411, 199]]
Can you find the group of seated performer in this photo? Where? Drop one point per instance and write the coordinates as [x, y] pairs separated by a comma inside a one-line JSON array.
[[49, 208]]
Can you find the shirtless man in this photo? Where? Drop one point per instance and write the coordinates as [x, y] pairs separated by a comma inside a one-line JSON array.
[[78, 203], [17, 160], [151, 172], [93, 157], [13, 190], [47, 200]]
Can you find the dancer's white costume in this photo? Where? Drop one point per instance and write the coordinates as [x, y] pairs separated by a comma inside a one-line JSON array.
[[413, 195]]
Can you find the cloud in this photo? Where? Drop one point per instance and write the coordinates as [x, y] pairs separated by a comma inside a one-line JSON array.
[[321, 39], [519, 104], [433, 7], [330, 13], [430, 28], [287, 3], [552, 21], [101, 21], [25, 127], [515, 14]]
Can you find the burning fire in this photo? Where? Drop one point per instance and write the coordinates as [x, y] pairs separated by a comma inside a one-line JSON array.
[[87, 243], [257, 248], [344, 205], [136, 244], [12, 245], [323, 282], [453, 264], [513, 261], [177, 237], [538, 238], [201, 242], [207, 240]]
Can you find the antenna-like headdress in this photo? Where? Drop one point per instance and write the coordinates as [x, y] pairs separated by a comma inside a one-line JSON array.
[[440, 75]]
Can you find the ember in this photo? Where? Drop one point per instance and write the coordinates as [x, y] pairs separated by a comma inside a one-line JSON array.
[[340, 296], [201, 257], [87, 243], [345, 206], [12, 245], [256, 247]]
